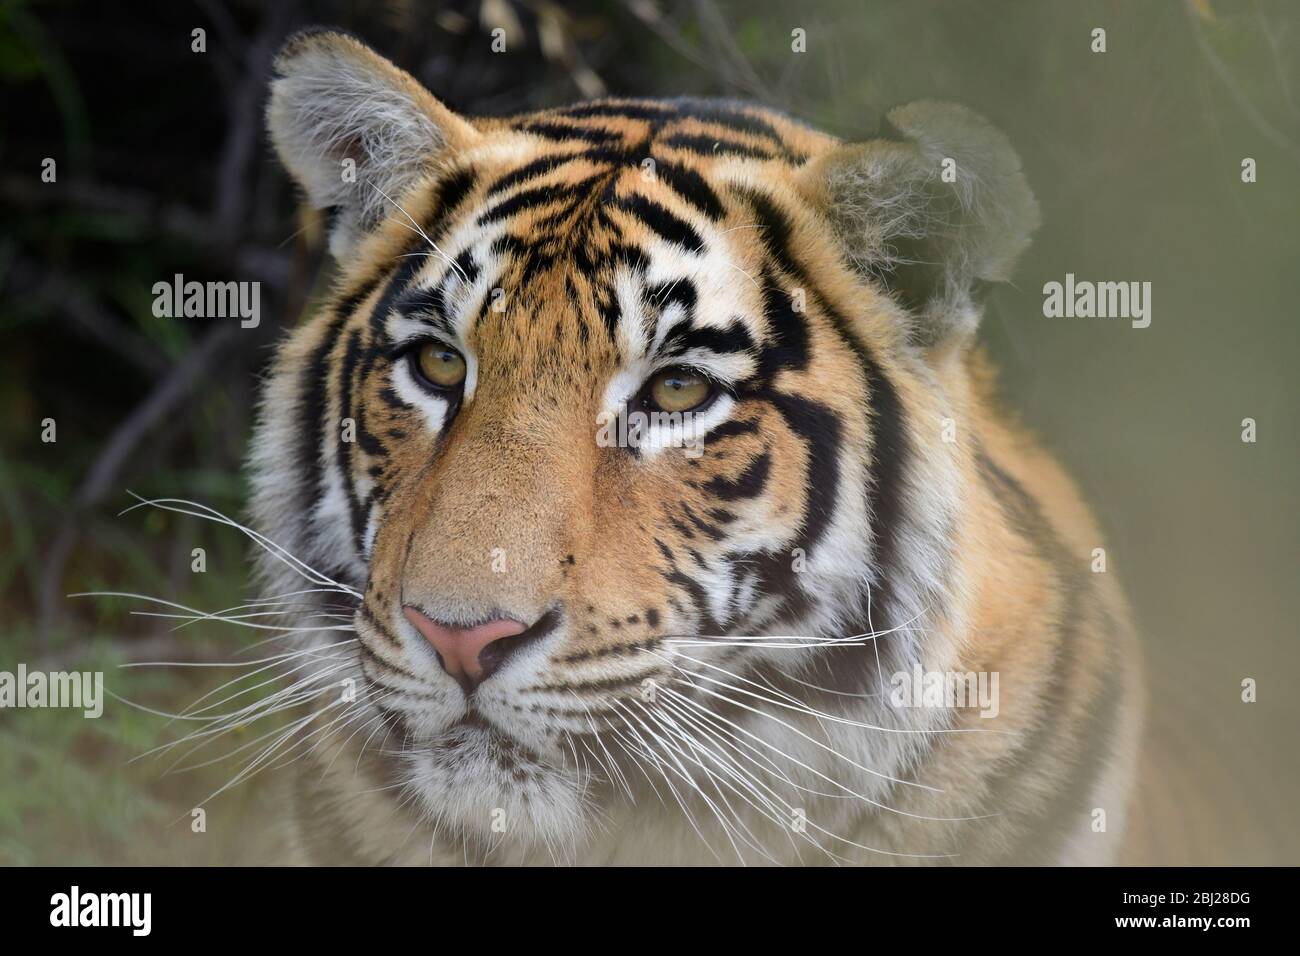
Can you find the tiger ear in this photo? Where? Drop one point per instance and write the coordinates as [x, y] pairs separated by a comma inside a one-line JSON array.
[[355, 131], [937, 207]]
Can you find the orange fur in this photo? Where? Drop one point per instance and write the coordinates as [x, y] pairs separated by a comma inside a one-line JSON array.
[[978, 550]]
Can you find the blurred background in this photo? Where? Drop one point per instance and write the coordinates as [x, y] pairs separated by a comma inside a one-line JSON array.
[[163, 167]]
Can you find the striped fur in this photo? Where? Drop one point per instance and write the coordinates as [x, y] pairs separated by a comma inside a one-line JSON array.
[[827, 503]]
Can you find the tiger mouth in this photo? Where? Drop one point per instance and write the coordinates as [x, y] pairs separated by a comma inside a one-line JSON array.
[[474, 720], [476, 731]]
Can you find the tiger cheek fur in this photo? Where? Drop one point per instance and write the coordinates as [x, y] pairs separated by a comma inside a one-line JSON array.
[[679, 607]]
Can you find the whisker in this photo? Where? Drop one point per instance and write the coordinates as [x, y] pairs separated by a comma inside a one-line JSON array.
[[419, 230], [211, 514], [792, 703]]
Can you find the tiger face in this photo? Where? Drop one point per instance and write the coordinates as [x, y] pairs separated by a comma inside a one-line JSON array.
[[609, 418]]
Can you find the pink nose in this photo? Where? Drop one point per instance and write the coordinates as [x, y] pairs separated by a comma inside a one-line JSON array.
[[467, 653]]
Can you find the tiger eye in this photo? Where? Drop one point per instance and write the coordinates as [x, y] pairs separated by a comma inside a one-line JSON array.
[[679, 390], [440, 365]]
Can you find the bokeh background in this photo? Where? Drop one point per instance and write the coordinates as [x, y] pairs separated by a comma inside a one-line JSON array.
[[163, 167]]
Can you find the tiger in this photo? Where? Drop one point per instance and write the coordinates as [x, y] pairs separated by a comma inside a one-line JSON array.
[[649, 452]]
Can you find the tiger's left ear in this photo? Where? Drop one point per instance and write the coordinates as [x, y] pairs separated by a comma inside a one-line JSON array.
[[355, 131], [930, 212]]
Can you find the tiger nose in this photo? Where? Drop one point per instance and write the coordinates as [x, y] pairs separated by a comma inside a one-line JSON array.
[[469, 654]]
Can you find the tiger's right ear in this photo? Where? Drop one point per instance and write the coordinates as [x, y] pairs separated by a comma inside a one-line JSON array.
[[355, 131], [935, 209]]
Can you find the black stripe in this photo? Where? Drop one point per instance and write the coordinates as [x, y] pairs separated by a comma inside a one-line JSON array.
[[662, 222], [616, 650], [529, 171], [314, 411], [733, 115], [1026, 518], [467, 269], [313, 385], [732, 339], [713, 146], [343, 450], [452, 191], [1050, 824], [707, 624], [890, 451], [729, 113], [820, 429], [533, 198], [732, 428], [680, 293], [711, 531], [748, 484], [1069, 809], [368, 441], [349, 303], [396, 291], [788, 348], [607, 306], [562, 132], [608, 683], [690, 186], [636, 109], [843, 669], [424, 305]]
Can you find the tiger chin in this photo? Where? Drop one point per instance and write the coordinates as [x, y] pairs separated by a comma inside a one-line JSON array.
[[692, 643]]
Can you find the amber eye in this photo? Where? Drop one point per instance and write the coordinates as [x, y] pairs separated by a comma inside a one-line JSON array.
[[440, 366], [678, 390]]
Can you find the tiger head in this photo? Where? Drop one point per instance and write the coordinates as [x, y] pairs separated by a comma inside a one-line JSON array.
[[611, 397]]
